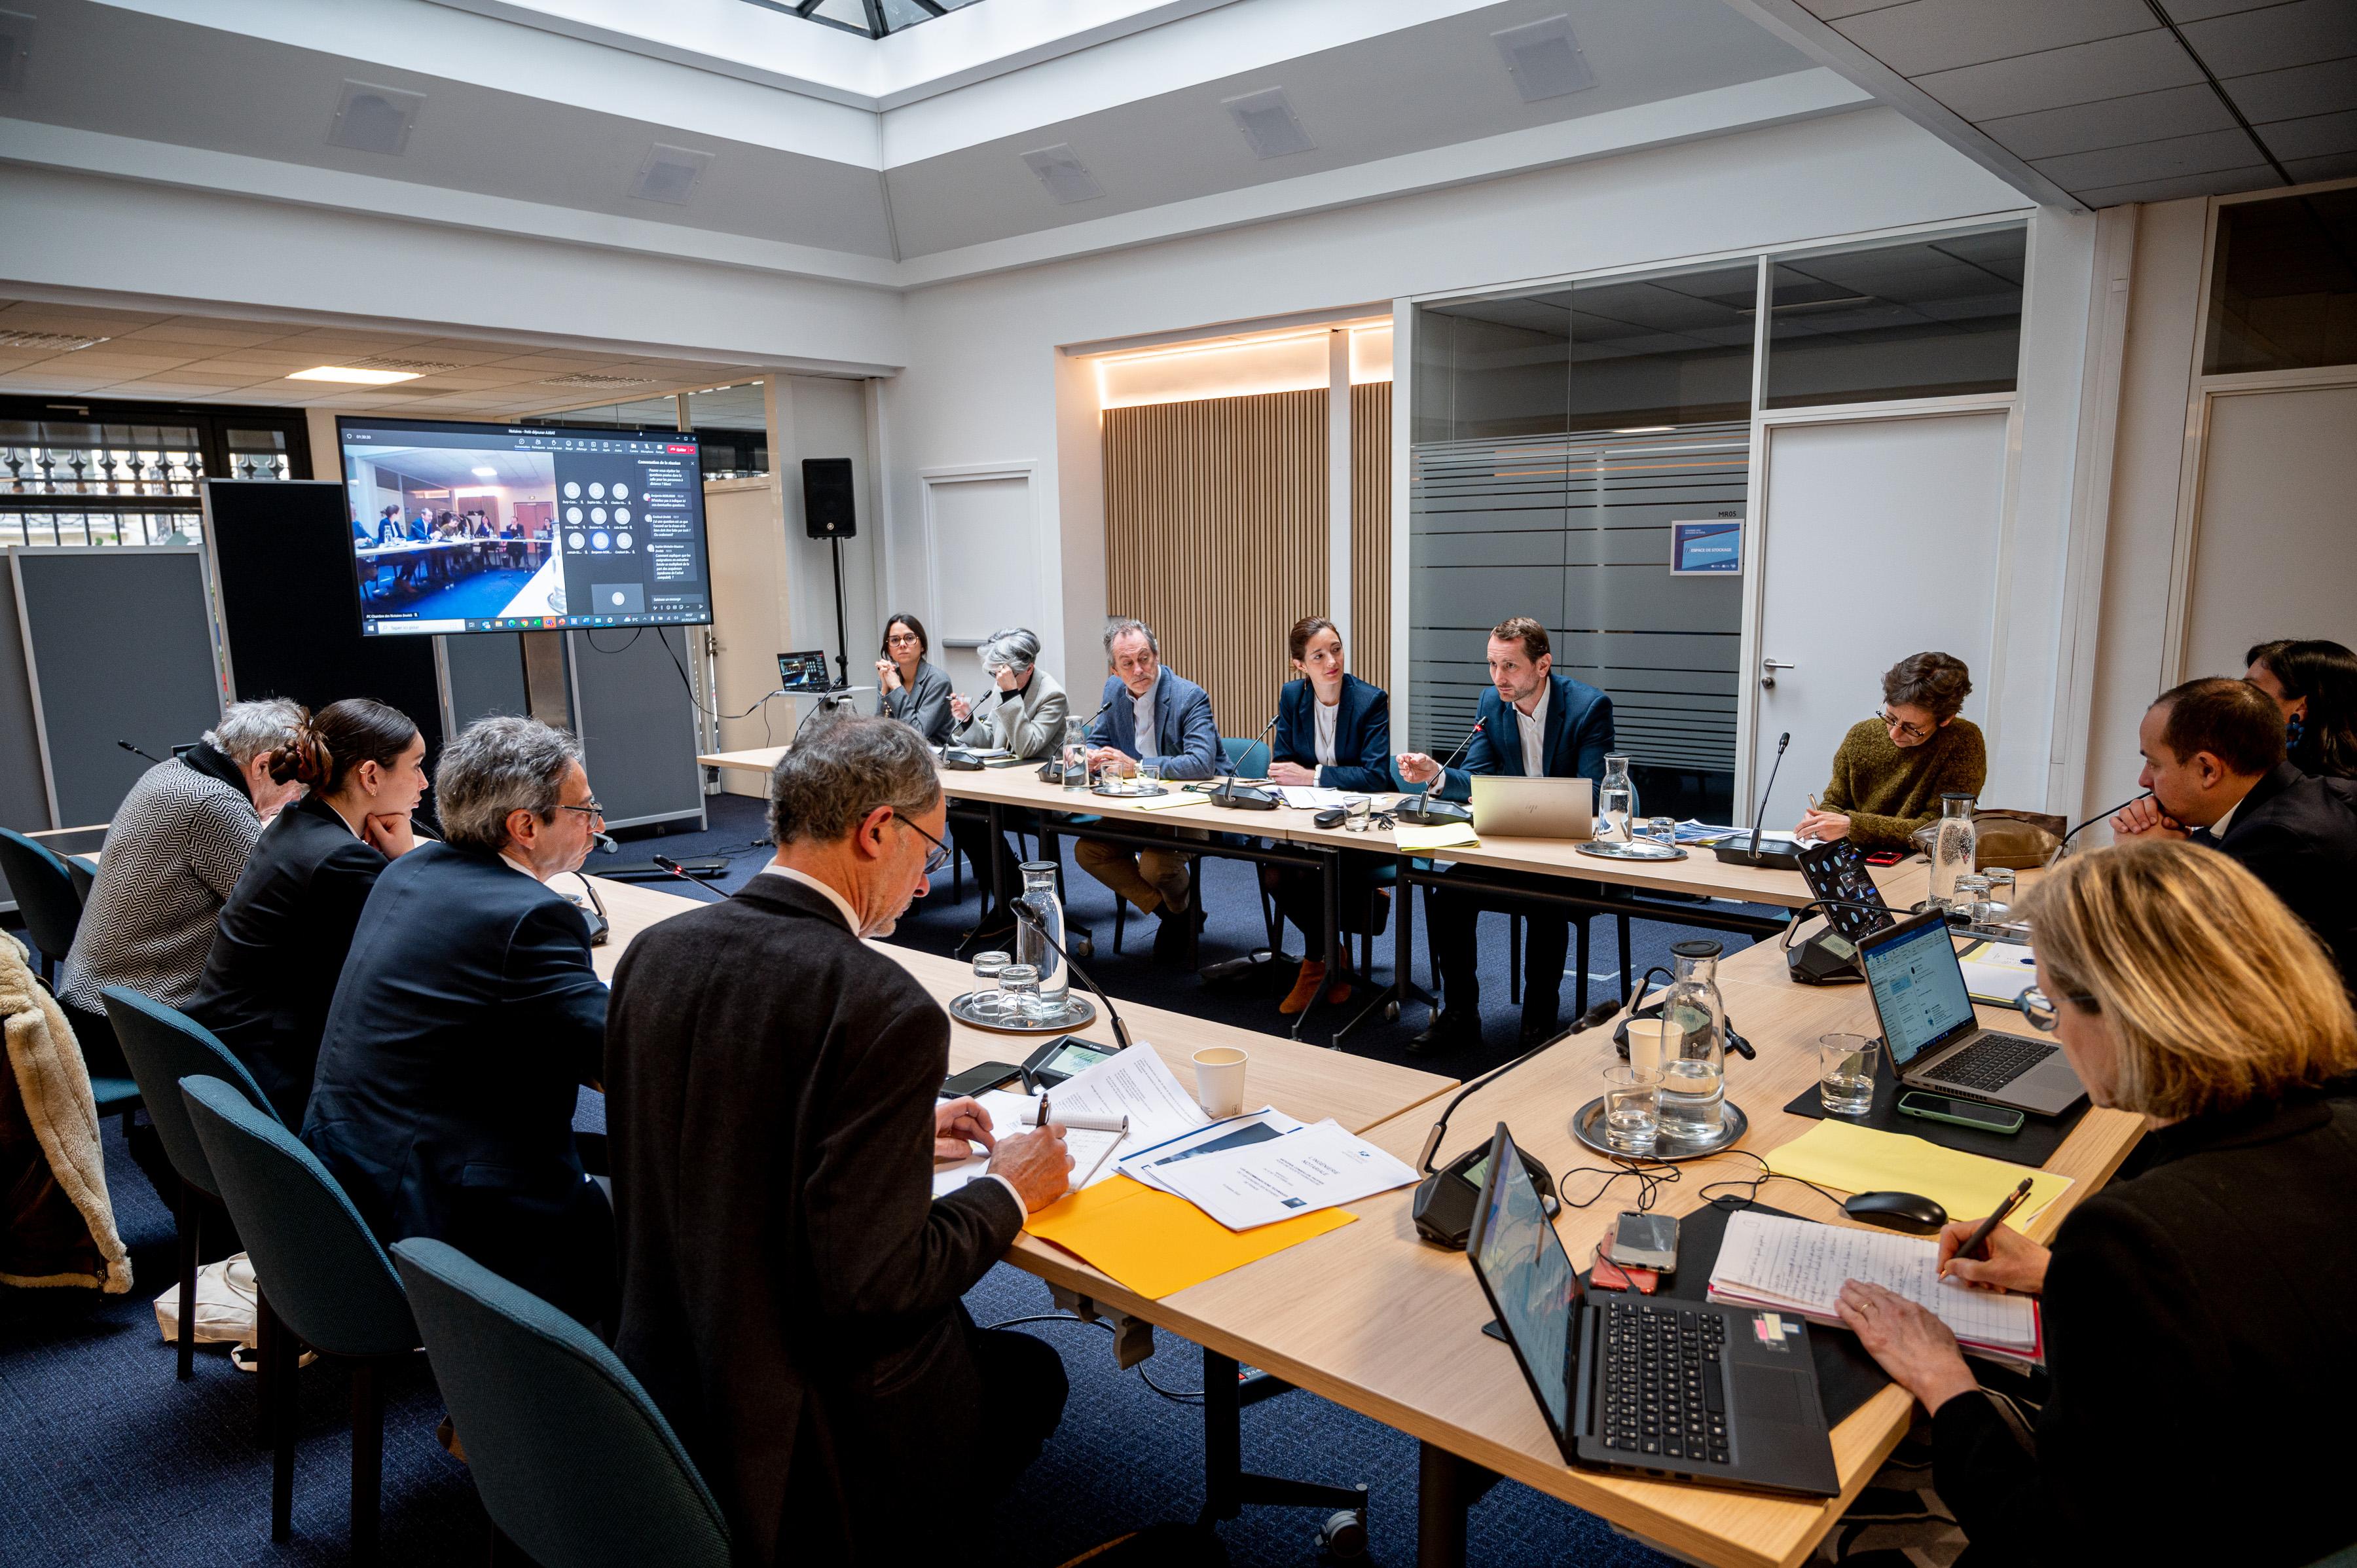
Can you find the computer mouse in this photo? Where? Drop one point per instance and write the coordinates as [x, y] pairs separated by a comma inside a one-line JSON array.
[[1332, 817], [1899, 1210]]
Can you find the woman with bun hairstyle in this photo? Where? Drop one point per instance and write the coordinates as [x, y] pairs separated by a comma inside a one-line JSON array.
[[286, 930]]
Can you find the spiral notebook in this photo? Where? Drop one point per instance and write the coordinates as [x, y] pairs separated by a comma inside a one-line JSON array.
[[1799, 1265]]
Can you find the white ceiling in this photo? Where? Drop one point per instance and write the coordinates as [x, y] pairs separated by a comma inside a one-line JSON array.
[[206, 358], [2112, 101]]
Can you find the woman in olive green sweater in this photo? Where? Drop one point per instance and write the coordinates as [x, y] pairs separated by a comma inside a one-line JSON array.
[[1891, 771]]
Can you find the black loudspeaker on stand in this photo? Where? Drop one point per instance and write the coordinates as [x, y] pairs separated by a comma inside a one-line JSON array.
[[829, 513]]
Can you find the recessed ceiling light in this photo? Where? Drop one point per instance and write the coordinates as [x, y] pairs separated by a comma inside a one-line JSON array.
[[669, 174], [1631, 430], [352, 375], [487, 473], [1268, 122], [1060, 170], [65, 343], [1544, 59], [372, 119]]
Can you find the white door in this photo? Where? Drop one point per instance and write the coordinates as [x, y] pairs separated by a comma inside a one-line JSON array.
[[747, 537], [981, 541], [1879, 539], [2272, 558]]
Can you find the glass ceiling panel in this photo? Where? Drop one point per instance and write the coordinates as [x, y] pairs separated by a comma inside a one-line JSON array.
[[869, 18]]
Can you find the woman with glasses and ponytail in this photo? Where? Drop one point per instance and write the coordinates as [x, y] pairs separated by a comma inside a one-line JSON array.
[[2197, 1312], [1892, 768], [288, 924]]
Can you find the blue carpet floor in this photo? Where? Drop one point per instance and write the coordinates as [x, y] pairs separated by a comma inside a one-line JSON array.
[[106, 1461]]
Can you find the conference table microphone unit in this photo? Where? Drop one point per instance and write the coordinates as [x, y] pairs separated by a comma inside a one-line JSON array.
[[1026, 916], [137, 752], [673, 868], [1442, 1205], [959, 758], [1428, 812], [1248, 799], [1784, 856], [2058, 849]]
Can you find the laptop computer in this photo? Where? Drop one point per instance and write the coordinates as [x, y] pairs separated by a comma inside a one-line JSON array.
[[1642, 1384], [1513, 807], [1936, 1042], [804, 674]]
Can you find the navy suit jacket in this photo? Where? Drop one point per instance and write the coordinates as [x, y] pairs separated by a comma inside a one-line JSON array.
[[1578, 734], [2298, 836], [1186, 736], [443, 1096], [1362, 734]]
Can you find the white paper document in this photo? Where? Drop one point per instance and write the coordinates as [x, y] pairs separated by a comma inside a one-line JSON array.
[[1216, 1137], [1768, 1260], [1277, 1178], [1091, 1148], [1136, 1084]]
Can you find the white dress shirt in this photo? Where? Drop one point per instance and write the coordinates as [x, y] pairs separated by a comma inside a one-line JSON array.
[[1142, 712], [1534, 727], [1326, 715], [851, 923]]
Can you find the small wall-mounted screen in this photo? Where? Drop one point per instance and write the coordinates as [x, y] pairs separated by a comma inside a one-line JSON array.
[[460, 528]]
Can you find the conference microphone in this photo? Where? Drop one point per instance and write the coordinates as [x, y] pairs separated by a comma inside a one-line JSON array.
[[1250, 799], [667, 865], [1787, 859], [600, 927], [1026, 915], [137, 752], [1428, 812], [2074, 833], [1442, 1205], [605, 843], [962, 759]]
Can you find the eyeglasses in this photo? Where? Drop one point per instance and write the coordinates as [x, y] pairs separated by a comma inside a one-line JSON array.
[[592, 810], [2039, 1009], [904, 639], [936, 857], [1897, 725]]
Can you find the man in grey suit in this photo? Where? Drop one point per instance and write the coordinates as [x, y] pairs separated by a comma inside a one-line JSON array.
[[1024, 717], [790, 1283]]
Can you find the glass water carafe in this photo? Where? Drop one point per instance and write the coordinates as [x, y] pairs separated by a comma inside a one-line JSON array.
[[1694, 1077], [1076, 754], [1956, 846], [1032, 948], [1616, 800]]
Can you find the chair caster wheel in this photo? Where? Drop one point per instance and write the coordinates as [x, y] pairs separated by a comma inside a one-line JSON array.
[[1344, 1535], [1391, 1012], [1084, 947]]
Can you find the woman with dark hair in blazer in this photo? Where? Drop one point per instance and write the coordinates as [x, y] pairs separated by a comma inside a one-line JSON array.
[[907, 687], [2315, 684], [1334, 732], [286, 930]]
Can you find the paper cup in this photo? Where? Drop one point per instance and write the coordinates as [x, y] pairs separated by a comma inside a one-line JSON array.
[[1219, 1081], [1651, 1042]]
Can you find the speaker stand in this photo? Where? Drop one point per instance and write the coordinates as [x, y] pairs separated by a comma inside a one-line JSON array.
[[841, 647]]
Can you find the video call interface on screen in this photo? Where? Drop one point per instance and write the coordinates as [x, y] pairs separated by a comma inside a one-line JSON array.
[[459, 527], [1919, 990]]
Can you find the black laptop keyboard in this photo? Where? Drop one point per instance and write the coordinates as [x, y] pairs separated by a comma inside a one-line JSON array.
[[1664, 1391], [1992, 1061]]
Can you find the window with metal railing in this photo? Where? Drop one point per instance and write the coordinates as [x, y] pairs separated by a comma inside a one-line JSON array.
[[114, 473]]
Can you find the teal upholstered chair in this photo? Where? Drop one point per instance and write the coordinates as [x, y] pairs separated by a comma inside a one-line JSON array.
[[324, 1282], [574, 1462], [44, 886], [164, 1046]]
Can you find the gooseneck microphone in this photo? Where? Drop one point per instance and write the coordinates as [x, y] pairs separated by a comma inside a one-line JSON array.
[[666, 864], [137, 752], [1784, 859], [1251, 800], [1026, 915], [2091, 822], [1428, 812]]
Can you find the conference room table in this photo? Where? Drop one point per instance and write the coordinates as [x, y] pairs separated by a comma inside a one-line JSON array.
[[1376, 1320], [1699, 890]]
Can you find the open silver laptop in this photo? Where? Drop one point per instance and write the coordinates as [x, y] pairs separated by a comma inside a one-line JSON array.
[[1532, 808], [1935, 1038]]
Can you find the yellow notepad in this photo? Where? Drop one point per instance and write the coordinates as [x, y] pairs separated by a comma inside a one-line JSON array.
[[1865, 1159], [1156, 1243], [1420, 841], [1157, 802]]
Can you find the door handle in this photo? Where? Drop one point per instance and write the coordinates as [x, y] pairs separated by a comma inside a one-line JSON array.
[[1768, 668]]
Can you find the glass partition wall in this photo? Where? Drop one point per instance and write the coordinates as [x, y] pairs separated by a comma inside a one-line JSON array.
[[1559, 438]]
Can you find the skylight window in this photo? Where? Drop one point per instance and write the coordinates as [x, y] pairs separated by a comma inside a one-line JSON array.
[[868, 18]]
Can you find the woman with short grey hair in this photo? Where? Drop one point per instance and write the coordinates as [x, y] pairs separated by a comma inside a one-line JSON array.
[[177, 844], [1023, 715]]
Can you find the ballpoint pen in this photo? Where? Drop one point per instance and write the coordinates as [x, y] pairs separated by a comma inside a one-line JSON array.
[[1977, 1249]]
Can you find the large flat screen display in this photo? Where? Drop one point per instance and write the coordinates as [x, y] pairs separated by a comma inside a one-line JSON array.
[[459, 527]]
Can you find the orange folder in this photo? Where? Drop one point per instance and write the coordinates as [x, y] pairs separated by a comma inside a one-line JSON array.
[[1154, 1243]]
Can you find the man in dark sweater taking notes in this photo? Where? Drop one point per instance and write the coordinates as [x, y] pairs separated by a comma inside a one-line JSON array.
[[1892, 768]]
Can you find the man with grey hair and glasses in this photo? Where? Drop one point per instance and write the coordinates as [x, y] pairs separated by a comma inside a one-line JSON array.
[[790, 1281], [1022, 714], [1150, 714], [467, 1016]]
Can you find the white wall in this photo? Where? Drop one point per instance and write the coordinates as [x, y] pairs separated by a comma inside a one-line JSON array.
[[817, 416], [986, 380]]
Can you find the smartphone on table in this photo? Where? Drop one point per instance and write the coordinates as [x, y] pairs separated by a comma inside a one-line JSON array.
[[979, 1079], [2002, 1119]]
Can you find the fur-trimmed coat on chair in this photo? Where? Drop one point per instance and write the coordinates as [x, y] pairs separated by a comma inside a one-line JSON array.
[[57, 1226]]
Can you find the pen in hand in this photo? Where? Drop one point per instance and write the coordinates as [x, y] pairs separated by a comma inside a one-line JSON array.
[[1976, 1248]]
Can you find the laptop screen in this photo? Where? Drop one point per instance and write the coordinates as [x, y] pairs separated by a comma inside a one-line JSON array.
[[1531, 1278], [1918, 988]]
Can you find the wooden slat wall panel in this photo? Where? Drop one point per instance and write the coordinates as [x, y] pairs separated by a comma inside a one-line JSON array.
[[1215, 536], [1371, 532]]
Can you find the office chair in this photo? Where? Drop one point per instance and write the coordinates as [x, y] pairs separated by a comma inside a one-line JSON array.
[[44, 885]]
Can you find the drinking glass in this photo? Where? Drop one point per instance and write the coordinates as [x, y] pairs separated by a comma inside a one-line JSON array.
[[987, 966], [1846, 1066], [1664, 831], [1357, 812], [1018, 992], [1149, 776], [1633, 1109]]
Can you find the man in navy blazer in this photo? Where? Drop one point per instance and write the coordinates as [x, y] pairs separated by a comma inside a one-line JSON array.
[[1149, 714], [1533, 724], [466, 1015]]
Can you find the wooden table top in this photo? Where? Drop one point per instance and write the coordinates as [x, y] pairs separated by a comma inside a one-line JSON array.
[[1701, 874]]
